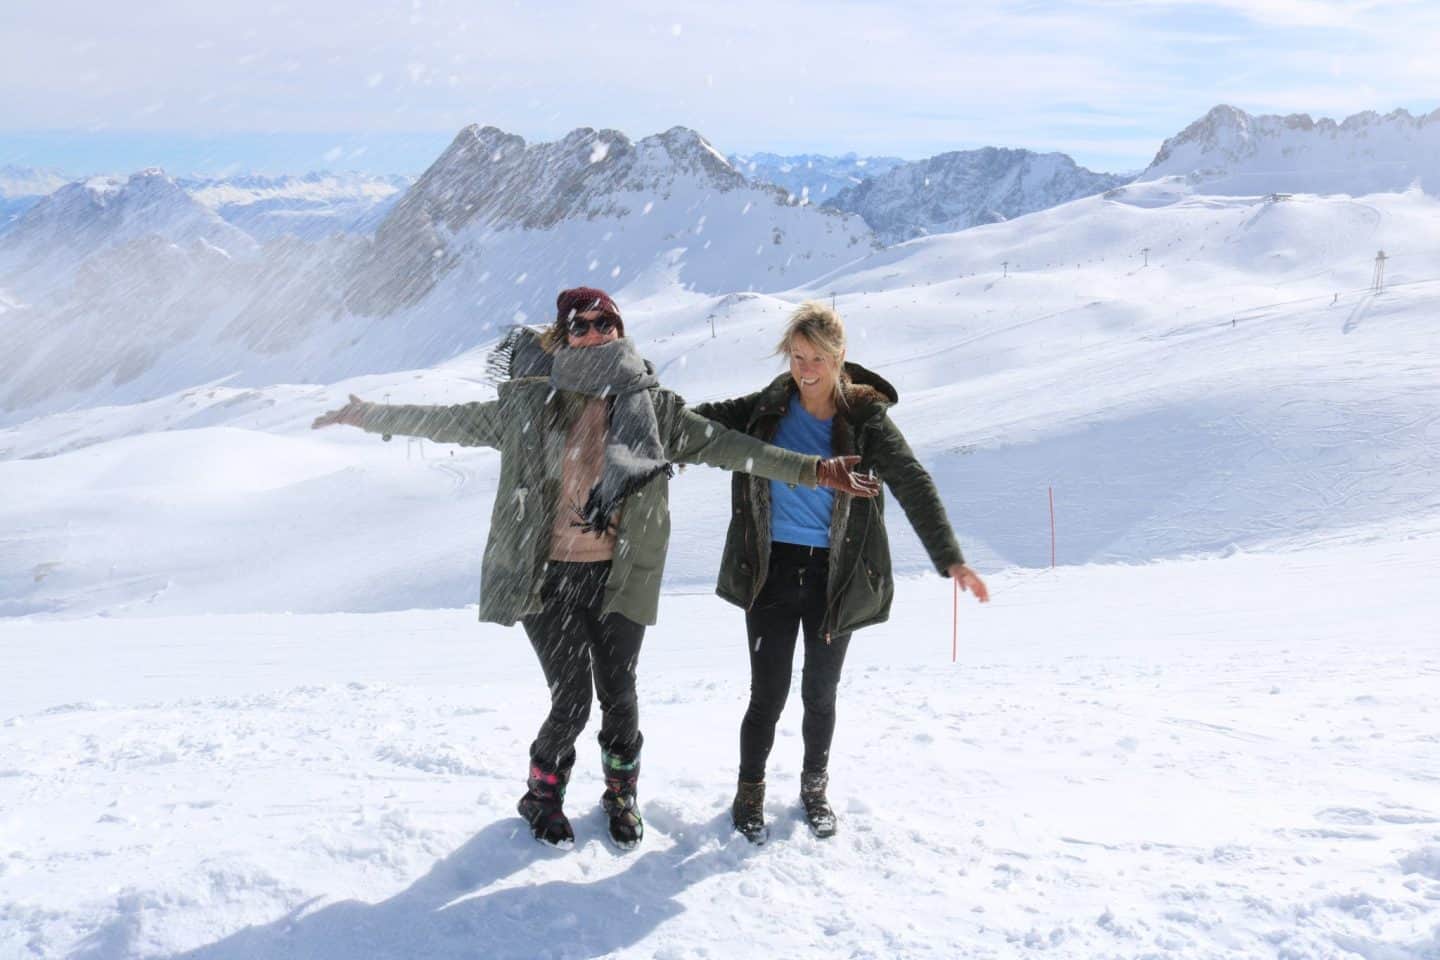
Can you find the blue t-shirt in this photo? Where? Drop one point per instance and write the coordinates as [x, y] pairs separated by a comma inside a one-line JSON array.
[[799, 514]]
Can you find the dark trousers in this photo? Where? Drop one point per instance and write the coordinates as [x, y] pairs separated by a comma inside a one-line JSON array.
[[793, 600], [577, 648]]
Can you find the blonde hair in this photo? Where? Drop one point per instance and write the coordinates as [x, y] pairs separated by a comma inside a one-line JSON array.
[[823, 327]]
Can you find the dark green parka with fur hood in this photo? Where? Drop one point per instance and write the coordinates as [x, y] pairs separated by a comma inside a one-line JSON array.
[[861, 585]]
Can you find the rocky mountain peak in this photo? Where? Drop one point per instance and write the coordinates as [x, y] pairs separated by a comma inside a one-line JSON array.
[[966, 188], [1231, 151], [488, 178]]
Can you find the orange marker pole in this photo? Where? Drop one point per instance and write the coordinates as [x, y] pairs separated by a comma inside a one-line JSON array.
[[1052, 528], [955, 624]]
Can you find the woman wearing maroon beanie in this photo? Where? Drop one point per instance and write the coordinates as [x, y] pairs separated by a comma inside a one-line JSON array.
[[581, 524]]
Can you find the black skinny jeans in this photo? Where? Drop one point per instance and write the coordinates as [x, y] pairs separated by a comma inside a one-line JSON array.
[[577, 647], [792, 599]]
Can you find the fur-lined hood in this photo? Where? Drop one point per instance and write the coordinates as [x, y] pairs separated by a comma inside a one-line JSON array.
[[522, 352], [866, 395]]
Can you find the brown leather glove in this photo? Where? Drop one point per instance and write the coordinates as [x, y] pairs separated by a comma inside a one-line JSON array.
[[837, 473], [351, 415]]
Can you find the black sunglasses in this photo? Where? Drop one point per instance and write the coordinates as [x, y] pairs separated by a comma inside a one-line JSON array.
[[578, 327]]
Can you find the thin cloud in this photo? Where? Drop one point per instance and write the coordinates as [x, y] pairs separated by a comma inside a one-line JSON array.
[[906, 78]]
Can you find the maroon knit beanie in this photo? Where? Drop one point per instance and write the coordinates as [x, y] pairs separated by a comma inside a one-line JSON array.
[[578, 300]]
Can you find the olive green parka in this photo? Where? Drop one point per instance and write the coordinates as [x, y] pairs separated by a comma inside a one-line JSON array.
[[861, 585]]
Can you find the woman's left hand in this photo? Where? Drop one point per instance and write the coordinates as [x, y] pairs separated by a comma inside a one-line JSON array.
[[969, 581]]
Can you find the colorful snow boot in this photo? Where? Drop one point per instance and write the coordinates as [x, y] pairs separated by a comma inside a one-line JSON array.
[[619, 800]]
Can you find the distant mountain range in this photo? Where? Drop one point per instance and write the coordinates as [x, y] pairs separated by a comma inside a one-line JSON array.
[[1229, 151], [23, 187], [125, 289], [119, 289], [966, 188], [812, 177], [310, 206]]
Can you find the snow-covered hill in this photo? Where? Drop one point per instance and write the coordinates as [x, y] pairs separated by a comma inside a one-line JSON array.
[[1229, 151], [311, 207], [812, 176], [953, 191]]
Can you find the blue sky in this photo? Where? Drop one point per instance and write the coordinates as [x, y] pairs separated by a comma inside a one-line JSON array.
[[224, 87]]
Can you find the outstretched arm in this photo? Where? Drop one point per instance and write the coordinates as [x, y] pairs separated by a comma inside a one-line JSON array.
[[468, 424], [695, 439]]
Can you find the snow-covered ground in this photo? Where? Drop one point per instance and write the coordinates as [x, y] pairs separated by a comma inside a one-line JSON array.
[[245, 713], [1205, 758]]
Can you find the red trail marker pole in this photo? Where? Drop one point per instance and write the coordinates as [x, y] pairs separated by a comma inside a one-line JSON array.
[[955, 623], [1052, 528]]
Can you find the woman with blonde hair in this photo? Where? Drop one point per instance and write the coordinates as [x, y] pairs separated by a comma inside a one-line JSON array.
[[816, 562]]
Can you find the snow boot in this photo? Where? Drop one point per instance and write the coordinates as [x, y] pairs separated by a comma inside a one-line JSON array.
[[747, 813], [818, 812], [619, 801], [541, 807]]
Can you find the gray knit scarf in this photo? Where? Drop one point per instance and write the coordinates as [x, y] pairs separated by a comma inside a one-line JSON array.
[[616, 372]]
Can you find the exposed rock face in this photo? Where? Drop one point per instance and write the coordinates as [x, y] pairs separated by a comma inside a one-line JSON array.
[[489, 180], [953, 191]]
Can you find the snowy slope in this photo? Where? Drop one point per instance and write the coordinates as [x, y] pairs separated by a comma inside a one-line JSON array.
[[1229, 151], [1203, 759], [954, 191], [1245, 388]]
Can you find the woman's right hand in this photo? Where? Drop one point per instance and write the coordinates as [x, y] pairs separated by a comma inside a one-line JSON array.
[[837, 473], [352, 414], [969, 581]]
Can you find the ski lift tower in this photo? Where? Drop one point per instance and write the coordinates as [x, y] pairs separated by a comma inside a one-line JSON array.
[[1377, 282]]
